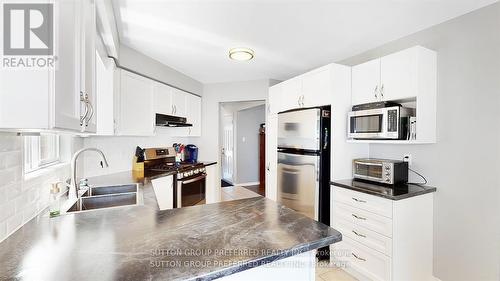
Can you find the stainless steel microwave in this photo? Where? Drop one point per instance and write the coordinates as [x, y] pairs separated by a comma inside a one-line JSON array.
[[381, 170], [379, 123]]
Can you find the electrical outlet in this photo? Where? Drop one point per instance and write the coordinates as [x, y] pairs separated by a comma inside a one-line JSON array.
[[407, 158]]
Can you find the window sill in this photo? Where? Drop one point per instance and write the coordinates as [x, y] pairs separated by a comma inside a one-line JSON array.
[[46, 170]]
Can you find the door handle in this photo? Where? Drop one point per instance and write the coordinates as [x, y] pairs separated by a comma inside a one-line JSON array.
[[382, 91], [358, 200], [83, 117], [358, 217], [375, 92], [358, 234], [359, 258]]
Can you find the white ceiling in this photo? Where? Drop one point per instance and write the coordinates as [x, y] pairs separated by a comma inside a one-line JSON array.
[[289, 37]]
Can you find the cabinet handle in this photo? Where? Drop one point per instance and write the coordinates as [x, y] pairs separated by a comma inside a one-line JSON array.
[[84, 116], [359, 258], [91, 113], [382, 91], [375, 92], [189, 131], [358, 200], [267, 168], [302, 100], [358, 217], [172, 109], [175, 109], [298, 101], [358, 234]]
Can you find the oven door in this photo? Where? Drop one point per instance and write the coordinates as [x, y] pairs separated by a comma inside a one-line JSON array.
[[367, 170], [191, 191]]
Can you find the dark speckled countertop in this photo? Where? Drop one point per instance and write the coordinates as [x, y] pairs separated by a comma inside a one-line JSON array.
[[143, 243], [397, 192]]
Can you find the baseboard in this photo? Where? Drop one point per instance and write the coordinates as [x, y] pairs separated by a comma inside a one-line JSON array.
[[248, 183]]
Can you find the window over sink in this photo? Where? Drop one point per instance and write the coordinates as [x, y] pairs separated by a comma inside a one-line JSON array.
[[41, 151]]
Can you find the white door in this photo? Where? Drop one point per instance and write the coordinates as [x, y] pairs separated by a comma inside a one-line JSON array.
[[179, 102], [316, 88], [88, 55], [227, 149], [163, 98], [366, 82], [105, 68], [68, 109], [291, 92], [136, 105], [274, 100], [194, 115], [271, 156], [398, 75]]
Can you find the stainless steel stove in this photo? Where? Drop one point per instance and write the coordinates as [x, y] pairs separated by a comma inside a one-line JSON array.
[[189, 178]]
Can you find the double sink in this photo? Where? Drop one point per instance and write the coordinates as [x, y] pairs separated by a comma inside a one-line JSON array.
[[102, 197]]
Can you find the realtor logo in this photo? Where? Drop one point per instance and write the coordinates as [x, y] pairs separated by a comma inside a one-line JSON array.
[[28, 29]]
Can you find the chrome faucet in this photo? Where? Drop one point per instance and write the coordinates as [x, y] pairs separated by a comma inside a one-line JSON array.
[[74, 186]]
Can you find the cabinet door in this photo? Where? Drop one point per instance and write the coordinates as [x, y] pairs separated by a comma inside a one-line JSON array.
[[68, 108], [398, 75], [194, 115], [105, 71], [316, 88], [164, 192], [179, 102], [271, 156], [136, 106], [163, 99], [366, 82], [291, 93], [88, 66], [274, 101]]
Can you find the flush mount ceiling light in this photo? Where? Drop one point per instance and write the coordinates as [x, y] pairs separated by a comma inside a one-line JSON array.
[[241, 54]]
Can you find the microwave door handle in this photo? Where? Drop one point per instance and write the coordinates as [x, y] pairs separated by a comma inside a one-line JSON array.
[[368, 163]]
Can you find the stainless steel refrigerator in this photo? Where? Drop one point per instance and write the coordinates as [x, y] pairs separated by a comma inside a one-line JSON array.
[[304, 161]]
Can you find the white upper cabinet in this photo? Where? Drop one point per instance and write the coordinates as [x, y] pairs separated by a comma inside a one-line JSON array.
[[395, 77], [163, 99], [136, 116], [105, 72], [316, 88], [366, 82], [274, 101], [62, 98], [194, 114], [179, 102], [291, 94]]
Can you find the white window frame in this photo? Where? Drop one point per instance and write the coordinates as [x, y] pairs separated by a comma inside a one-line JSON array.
[[33, 152]]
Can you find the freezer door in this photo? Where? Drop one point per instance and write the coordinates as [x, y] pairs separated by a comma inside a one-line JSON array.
[[299, 129], [298, 183]]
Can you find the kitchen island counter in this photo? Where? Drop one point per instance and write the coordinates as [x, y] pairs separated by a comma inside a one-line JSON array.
[[139, 243]]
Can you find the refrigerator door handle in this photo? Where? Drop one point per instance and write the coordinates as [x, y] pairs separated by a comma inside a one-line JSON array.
[[325, 139]]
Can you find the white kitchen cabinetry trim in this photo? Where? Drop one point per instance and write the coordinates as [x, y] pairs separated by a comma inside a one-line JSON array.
[[408, 77], [376, 246]]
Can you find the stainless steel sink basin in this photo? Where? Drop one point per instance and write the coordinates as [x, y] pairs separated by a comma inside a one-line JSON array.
[[113, 189], [104, 201]]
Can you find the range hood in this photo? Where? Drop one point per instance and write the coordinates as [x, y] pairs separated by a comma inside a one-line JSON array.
[[163, 120]]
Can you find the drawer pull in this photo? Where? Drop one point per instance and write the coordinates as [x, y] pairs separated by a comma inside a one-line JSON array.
[[358, 217], [358, 200], [360, 235], [359, 258]]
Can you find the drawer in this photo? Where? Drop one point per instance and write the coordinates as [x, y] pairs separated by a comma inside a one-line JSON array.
[[370, 203], [366, 263], [359, 217], [371, 239]]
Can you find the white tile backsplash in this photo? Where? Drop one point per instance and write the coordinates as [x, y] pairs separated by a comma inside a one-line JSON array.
[[23, 197]]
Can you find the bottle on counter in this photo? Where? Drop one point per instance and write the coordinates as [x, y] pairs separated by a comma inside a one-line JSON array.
[[54, 204]]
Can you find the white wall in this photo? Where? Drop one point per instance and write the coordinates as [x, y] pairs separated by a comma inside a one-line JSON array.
[[464, 164], [23, 197], [247, 143]]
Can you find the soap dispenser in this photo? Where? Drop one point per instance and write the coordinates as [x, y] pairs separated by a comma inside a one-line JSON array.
[[54, 204]]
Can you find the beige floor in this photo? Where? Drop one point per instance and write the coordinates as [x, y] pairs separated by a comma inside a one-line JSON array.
[[324, 271], [236, 192], [327, 272]]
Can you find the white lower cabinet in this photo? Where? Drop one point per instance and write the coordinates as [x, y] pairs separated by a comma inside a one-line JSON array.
[[383, 239]]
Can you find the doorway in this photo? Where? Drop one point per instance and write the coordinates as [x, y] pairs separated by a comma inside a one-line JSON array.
[[242, 146]]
